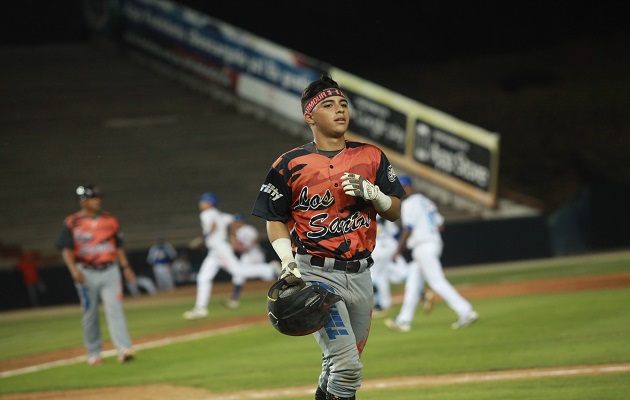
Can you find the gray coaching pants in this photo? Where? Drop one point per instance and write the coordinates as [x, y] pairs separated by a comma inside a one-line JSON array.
[[103, 286]]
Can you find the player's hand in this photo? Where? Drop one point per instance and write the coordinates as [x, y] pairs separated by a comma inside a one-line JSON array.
[[356, 185], [78, 277], [129, 274], [196, 243], [289, 267]]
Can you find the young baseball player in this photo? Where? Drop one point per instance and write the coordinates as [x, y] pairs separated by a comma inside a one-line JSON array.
[[214, 225], [91, 246], [421, 227], [383, 255], [320, 201]]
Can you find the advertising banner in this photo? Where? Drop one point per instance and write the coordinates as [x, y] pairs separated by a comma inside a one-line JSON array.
[[431, 144], [428, 143], [251, 67]]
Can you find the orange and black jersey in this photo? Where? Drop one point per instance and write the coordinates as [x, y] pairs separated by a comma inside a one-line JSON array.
[[303, 189], [94, 240]]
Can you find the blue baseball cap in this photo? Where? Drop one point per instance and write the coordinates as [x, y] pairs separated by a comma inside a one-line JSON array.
[[239, 217], [404, 180], [210, 198]]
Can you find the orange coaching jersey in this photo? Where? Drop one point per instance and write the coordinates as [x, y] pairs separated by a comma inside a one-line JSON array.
[[94, 240], [303, 190]]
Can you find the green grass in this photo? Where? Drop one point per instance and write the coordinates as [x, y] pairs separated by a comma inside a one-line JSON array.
[[526, 331], [603, 387]]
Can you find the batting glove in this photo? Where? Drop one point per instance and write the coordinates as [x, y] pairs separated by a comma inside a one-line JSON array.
[[290, 269], [358, 186]]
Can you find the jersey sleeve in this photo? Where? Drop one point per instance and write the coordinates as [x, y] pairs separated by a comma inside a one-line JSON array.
[[65, 239], [118, 239], [386, 179], [273, 202]]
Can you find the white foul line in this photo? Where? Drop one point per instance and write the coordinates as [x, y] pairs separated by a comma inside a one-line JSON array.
[[429, 380], [142, 346]]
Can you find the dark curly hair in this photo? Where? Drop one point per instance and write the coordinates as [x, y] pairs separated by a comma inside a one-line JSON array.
[[313, 88]]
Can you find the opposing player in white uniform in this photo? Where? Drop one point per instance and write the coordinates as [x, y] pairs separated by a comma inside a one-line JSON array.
[[214, 225], [392, 268], [245, 241], [384, 265], [422, 224]]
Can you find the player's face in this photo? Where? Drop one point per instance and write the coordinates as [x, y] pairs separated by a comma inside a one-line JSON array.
[[204, 205], [332, 116], [92, 204]]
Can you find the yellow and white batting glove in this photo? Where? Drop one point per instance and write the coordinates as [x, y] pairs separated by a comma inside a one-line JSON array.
[[358, 186], [282, 247]]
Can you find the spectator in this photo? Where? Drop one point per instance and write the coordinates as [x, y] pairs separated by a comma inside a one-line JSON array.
[[182, 269], [28, 267], [160, 258], [142, 283]]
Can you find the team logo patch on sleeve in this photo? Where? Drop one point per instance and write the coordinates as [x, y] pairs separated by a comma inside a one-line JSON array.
[[274, 193], [391, 174]]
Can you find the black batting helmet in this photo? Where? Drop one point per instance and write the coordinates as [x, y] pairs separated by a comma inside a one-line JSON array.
[[296, 308], [85, 192]]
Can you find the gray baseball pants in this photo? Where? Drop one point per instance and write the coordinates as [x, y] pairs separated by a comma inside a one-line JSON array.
[[343, 338], [104, 286]]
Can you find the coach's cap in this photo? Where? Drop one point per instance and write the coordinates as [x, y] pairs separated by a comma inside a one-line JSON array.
[[404, 180], [239, 217], [210, 198], [85, 192]]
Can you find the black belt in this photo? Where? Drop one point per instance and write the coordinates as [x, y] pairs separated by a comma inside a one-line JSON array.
[[99, 267], [346, 266]]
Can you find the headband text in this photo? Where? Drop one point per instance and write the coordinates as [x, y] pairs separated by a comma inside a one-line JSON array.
[[321, 96]]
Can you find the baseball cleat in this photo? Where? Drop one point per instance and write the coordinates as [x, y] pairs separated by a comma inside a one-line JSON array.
[[427, 302], [231, 303], [126, 356], [95, 360], [469, 319], [396, 326], [379, 312], [195, 313]]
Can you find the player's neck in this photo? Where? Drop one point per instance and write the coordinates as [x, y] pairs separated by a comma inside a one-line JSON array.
[[329, 144], [91, 213]]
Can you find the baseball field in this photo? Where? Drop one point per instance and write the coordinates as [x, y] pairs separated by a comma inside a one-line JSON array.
[[552, 329]]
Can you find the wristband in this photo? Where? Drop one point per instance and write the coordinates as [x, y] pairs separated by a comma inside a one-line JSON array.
[[283, 249], [382, 202]]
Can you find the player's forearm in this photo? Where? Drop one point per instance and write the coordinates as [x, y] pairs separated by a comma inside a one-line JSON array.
[[122, 259], [393, 212], [277, 230], [69, 260], [280, 241], [71, 263]]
